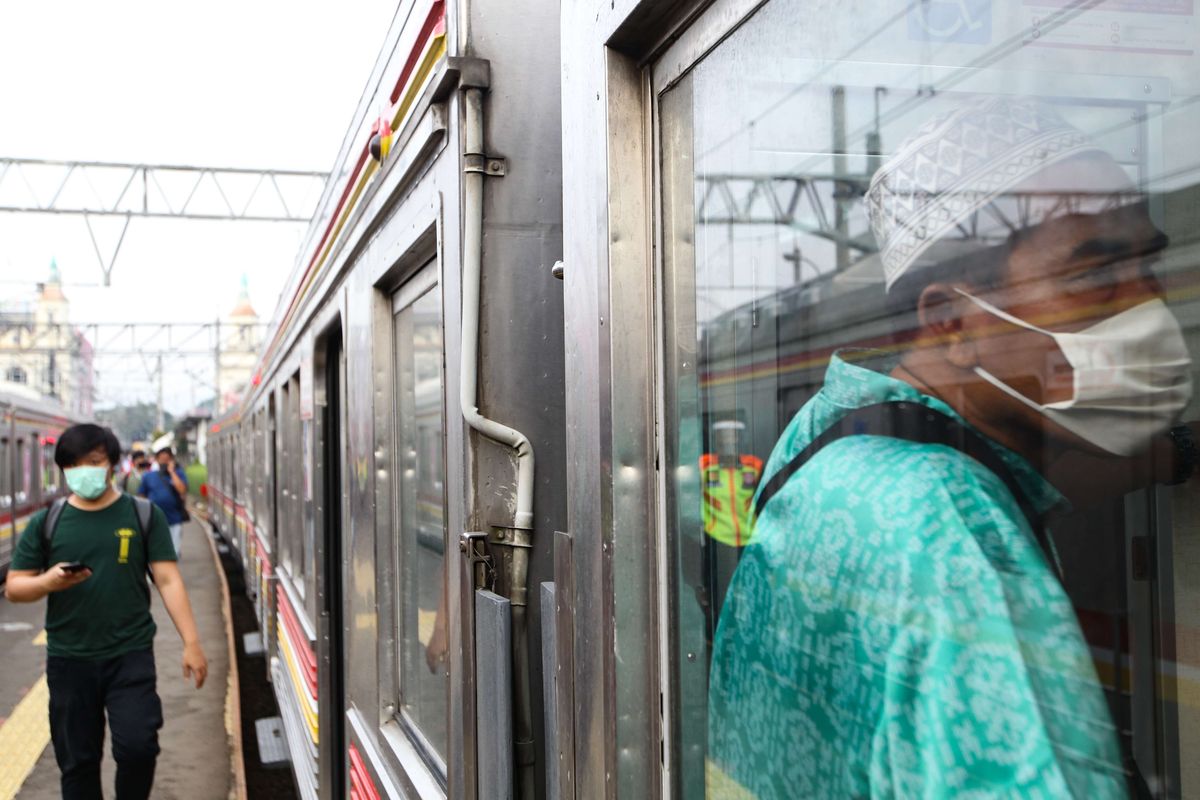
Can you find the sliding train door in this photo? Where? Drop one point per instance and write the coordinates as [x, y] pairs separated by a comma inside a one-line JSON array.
[[802, 171], [737, 218], [329, 383]]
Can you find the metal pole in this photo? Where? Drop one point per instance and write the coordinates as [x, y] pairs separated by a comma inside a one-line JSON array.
[[161, 424], [840, 186], [217, 367]]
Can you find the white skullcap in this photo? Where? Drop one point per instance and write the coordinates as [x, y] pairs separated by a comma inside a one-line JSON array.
[[932, 190]]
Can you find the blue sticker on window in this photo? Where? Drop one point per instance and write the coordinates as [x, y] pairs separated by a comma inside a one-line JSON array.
[[962, 21]]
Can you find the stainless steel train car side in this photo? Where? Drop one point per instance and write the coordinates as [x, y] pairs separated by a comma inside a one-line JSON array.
[[349, 472], [378, 477], [29, 480]]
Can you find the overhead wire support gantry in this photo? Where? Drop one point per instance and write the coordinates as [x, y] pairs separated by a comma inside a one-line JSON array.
[[108, 189]]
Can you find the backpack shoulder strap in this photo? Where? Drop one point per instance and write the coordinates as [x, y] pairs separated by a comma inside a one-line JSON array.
[[915, 423], [143, 509], [145, 514], [50, 523]]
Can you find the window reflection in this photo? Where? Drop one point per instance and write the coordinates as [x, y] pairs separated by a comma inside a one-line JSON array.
[[421, 511], [945, 206]]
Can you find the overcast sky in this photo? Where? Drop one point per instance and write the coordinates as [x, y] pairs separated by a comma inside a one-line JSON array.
[[261, 84]]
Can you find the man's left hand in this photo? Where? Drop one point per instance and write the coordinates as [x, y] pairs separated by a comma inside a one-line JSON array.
[[195, 665]]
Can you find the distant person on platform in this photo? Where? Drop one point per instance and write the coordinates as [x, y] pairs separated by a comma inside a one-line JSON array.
[[89, 554], [139, 463], [167, 487]]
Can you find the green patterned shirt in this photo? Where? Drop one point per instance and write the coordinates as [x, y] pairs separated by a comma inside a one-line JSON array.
[[894, 630]]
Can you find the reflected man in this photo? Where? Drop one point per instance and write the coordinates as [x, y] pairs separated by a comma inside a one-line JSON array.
[[896, 626]]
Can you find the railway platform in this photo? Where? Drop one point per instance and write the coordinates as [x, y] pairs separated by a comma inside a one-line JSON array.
[[196, 761]]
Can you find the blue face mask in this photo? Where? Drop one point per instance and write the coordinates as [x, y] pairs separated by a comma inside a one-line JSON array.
[[87, 482]]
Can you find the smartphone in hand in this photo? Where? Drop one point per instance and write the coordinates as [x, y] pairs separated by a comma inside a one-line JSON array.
[[75, 566]]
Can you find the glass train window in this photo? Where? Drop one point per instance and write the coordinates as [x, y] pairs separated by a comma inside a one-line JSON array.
[[270, 478], [50, 473], [939, 261], [421, 509], [294, 534], [22, 477], [35, 468], [286, 531], [5, 474]]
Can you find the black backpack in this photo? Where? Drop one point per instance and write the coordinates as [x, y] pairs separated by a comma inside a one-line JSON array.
[[143, 510]]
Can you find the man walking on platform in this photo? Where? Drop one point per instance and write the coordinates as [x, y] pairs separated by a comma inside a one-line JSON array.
[[166, 487], [89, 554], [138, 464]]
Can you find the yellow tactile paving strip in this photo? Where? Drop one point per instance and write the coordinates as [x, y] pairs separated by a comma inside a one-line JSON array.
[[24, 734], [23, 737], [6, 530]]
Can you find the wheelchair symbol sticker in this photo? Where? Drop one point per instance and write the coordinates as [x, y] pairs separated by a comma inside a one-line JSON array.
[[960, 21]]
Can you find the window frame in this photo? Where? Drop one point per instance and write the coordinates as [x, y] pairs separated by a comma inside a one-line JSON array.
[[1147, 511], [422, 279], [415, 274]]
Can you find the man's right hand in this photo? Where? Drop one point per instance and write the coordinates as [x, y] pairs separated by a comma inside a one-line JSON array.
[[56, 578]]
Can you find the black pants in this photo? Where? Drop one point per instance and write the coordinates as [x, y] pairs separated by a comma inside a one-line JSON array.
[[80, 693]]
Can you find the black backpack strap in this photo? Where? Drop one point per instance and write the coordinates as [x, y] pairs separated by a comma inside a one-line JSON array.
[[143, 509], [911, 422], [49, 524], [145, 515]]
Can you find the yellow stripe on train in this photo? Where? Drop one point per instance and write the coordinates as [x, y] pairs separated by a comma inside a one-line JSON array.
[[298, 685]]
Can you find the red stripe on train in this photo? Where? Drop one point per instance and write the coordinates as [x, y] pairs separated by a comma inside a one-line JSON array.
[[436, 14], [305, 652], [361, 785], [435, 17]]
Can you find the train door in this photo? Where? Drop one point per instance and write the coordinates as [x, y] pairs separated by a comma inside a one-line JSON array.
[[782, 157], [804, 160], [329, 385]]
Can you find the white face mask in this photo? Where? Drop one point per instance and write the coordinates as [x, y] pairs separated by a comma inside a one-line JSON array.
[[1131, 373]]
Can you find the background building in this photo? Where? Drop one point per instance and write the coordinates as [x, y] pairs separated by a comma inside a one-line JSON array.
[[42, 354], [241, 338]]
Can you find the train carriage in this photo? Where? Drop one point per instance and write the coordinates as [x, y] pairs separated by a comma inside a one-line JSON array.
[[349, 472], [29, 480], [444, 615]]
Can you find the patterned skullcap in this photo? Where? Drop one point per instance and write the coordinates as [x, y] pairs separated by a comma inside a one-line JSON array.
[[955, 166]]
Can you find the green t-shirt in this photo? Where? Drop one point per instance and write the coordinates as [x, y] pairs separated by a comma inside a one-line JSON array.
[[108, 614]]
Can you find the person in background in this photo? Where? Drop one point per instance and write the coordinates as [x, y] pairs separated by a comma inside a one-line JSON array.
[[92, 565], [729, 476], [139, 464], [167, 487]]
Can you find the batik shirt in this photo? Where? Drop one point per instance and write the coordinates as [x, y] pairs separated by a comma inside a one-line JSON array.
[[894, 630]]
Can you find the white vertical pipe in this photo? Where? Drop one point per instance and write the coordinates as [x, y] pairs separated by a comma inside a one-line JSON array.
[[472, 261], [473, 178]]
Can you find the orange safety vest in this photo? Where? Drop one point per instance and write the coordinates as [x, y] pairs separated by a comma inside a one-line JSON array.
[[728, 507]]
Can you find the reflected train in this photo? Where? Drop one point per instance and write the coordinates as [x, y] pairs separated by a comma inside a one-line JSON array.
[[446, 480], [29, 480]]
